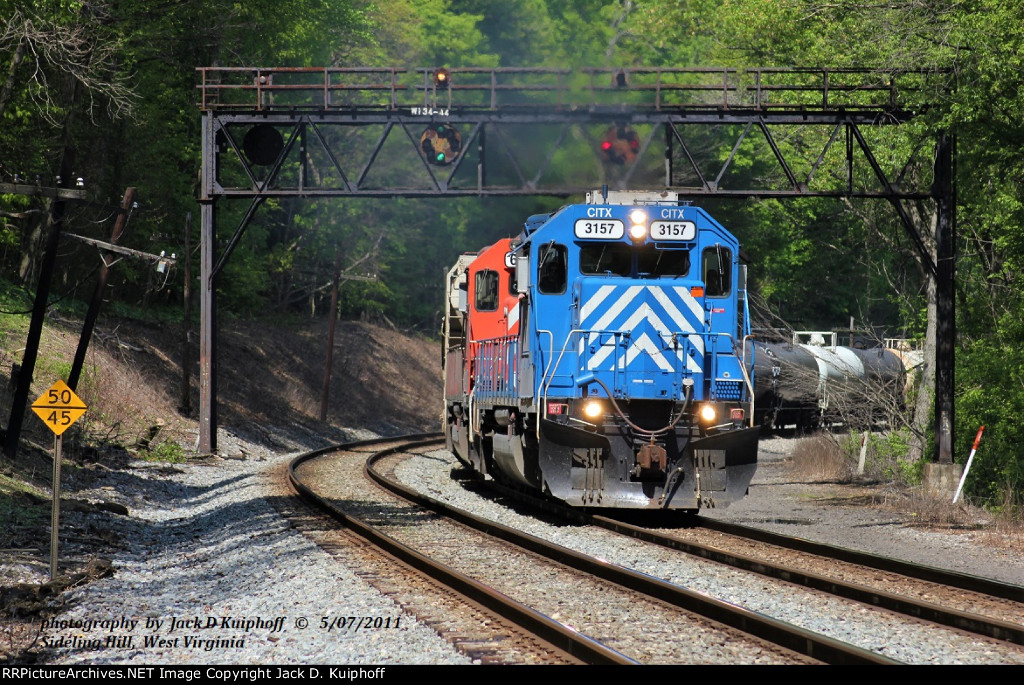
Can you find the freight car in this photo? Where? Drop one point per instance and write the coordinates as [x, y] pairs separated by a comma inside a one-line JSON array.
[[817, 382], [596, 357]]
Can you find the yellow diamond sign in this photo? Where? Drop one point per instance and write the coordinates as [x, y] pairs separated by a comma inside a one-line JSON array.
[[59, 407]]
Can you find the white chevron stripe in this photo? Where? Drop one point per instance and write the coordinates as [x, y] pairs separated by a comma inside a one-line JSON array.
[[686, 297], [644, 312], [698, 312], [616, 309], [644, 344], [513, 317], [681, 322], [691, 362], [595, 300], [599, 356]]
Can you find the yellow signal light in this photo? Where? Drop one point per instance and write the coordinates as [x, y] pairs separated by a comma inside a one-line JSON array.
[[442, 78]]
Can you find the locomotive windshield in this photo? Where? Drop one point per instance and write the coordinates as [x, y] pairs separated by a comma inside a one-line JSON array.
[[660, 262], [486, 291], [606, 258], [617, 259], [716, 269]]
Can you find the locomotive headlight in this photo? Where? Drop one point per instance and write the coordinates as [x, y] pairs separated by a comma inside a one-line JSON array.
[[638, 225], [593, 409], [708, 413]]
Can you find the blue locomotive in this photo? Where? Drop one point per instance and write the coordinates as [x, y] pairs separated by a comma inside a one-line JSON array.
[[598, 357]]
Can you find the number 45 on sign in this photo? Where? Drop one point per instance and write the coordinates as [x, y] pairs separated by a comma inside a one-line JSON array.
[[59, 407]]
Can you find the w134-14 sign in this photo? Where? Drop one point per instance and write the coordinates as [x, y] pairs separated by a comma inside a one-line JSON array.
[[59, 407]]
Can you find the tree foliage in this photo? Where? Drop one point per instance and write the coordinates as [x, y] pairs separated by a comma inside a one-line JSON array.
[[115, 81], [975, 46]]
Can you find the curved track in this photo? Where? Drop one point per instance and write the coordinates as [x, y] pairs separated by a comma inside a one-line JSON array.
[[730, 618], [996, 608], [973, 604], [965, 603], [560, 638]]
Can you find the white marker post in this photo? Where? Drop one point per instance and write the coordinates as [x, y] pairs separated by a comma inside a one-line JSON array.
[[59, 407], [977, 441], [863, 453]]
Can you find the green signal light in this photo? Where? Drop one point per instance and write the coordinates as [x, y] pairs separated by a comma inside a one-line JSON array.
[[440, 144]]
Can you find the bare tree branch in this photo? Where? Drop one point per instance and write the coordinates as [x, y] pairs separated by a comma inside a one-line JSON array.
[[55, 55]]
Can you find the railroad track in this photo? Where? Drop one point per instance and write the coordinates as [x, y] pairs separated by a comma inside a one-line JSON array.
[[633, 617], [970, 603], [959, 603], [974, 604], [488, 629]]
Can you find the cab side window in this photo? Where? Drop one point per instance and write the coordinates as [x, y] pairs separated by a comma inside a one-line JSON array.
[[716, 271], [486, 291], [553, 272]]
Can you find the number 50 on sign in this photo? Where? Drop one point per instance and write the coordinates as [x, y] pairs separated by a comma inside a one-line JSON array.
[[59, 407]]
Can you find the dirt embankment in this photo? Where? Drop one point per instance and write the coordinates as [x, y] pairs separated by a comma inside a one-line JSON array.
[[270, 379], [268, 373]]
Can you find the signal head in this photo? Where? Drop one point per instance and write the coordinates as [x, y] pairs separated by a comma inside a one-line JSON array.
[[442, 78], [620, 145], [441, 144]]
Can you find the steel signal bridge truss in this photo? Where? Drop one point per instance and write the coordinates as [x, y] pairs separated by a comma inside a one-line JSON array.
[[366, 132]]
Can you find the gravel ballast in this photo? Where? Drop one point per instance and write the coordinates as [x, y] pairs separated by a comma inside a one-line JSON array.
[[204, 546], [893, 636], [212, 574]]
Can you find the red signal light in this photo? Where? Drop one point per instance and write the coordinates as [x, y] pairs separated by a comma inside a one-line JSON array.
[[620, 145]]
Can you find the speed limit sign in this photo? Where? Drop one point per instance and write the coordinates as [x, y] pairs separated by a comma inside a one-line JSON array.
[[59, 407]]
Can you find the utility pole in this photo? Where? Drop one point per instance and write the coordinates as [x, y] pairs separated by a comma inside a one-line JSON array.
[[97, 295], [35, 329], [326, 392], [186, 358]]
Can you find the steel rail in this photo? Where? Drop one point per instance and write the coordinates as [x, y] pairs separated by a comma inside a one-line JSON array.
[[973, 623], [546, 628], [794, 638], [934, 613], [963, 581]]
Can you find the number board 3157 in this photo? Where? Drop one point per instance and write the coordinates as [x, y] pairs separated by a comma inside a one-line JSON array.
[[598, 229]]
